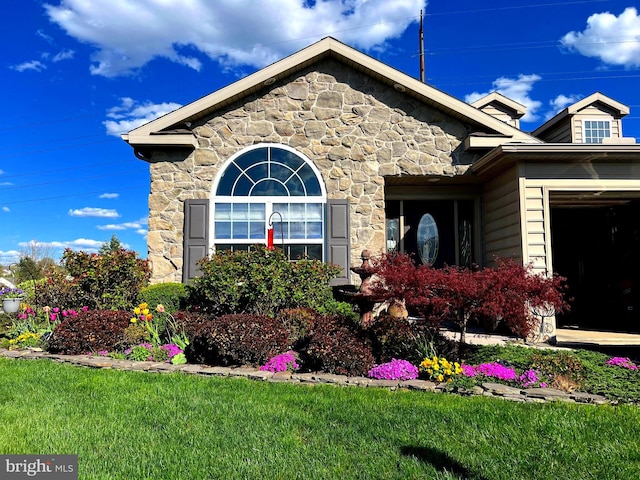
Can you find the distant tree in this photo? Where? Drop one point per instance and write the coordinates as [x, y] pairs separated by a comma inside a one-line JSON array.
[[27, 269], [111, 246]]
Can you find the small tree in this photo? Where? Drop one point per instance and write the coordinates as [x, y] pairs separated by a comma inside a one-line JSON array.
[[508, 292]]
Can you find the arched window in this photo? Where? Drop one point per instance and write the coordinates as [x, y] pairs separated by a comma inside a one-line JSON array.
[[270, 186]]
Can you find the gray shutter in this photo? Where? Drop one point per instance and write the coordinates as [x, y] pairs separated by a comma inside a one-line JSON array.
[[196, 236], [338, 238]]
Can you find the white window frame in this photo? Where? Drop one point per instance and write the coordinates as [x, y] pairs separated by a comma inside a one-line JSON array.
[[595, 119], [269, 202]]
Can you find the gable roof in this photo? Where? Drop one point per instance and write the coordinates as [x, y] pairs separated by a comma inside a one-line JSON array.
[[618, 108], [495, 97], [172, 128]]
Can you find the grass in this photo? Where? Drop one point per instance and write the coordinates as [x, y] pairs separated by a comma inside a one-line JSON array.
[[153, 426]]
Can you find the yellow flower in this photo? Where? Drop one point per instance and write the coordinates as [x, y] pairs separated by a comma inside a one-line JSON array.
[[440, 378], [136, 310], [145, 311], [143, 306], [133, 320]]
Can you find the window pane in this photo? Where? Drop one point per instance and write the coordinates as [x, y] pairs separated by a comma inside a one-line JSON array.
[[251, 157], [297, 211], [223, 211], [269, 188], [227, 180], [258, 172], [241, 211], [314, 252], [240, 230], [256, 211], [310, 181], [296, 252], [256, 230], [314, 211], [286, 157], [297, 230], [280, 172], [243, 186], [314, 230], [223, 229]]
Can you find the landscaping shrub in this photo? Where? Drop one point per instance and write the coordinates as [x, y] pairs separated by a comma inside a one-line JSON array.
[[235, 339], [89, 331], [110, 279], [299, 322], [509, 292], [171, 295], [392, 338], [57, 290], [260, 282], [339, 346]]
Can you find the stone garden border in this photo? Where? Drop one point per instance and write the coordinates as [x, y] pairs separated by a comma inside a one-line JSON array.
[[488, 389]]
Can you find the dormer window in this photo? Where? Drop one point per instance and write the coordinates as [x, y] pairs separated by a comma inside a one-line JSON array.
[[596, 130]]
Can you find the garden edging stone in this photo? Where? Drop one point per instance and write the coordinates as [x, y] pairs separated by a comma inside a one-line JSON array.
[[532, 395]]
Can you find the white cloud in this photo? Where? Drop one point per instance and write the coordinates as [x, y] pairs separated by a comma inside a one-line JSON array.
[[517, 89], [131, 114], [44, 36], [125, 225], [109, 195], [9, 257], [32, 65], [63, 55], [84, 244], [6, 209], [614, 40], [127, 35], [94, 212], [559, 103]]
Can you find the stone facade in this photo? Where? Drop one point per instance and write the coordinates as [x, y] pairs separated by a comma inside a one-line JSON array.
[[355, 129]]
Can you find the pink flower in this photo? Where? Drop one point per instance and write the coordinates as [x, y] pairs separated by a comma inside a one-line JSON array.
[[85, 308], [53, 317]]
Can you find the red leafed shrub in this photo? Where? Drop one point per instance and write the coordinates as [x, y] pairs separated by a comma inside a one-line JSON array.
[[89, 331], [338, 346], [510, 292], [235, 339]]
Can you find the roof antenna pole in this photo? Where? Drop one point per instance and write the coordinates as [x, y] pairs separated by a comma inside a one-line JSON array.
[[421, 50]]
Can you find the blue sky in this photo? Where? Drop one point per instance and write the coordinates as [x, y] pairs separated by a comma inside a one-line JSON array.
[[75, 74]]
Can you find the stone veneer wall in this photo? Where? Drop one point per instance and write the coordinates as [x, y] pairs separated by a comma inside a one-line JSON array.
[[355, 129]]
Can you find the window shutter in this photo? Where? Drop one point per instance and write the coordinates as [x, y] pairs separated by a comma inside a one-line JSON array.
[[338, 238], [196, 236]]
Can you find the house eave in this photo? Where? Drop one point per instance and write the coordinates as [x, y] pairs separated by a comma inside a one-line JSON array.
[[506, 155]]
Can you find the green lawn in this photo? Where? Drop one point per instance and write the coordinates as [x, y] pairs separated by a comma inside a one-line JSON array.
[[132, 425]]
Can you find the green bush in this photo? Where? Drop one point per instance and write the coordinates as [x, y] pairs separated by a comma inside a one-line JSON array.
[[260, 282], [171, 295], [111, 279]]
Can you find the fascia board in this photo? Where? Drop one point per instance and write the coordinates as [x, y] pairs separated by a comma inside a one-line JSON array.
[[177, 140], [598, 97]]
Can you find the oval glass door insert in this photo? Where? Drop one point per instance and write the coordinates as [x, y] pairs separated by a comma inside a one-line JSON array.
[[428, 240]]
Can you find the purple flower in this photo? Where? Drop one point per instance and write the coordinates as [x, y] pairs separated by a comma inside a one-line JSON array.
[[172, 349], [492, 370], [394, 370], [623, 362], [281, 363]]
